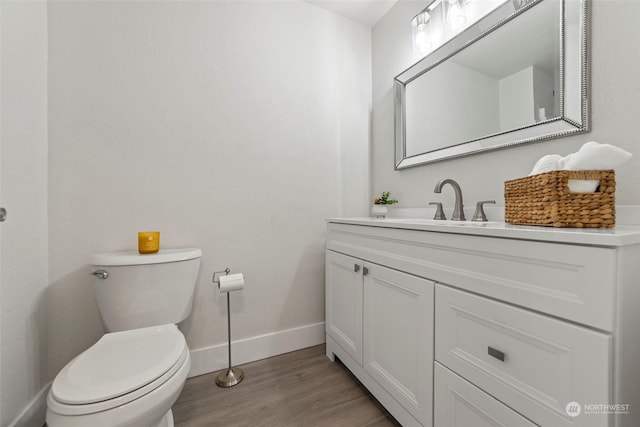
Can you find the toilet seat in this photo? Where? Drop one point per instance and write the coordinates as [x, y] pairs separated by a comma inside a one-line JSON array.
[[119, 368]]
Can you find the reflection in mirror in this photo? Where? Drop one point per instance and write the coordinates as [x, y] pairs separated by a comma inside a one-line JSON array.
[[516, 76]]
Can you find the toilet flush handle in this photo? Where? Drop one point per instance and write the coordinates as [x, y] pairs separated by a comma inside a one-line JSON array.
[[100, 274]]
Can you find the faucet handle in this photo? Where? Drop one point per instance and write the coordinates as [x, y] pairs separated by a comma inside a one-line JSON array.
[[479, 214], [439, 211]]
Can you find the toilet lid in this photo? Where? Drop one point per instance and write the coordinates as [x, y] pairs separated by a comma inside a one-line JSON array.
[[119, 363]]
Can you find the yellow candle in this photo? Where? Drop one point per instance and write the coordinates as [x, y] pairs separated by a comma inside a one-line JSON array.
[[148, 242]]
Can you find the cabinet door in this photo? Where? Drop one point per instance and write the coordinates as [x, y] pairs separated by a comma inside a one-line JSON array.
[[398, 336], [458, 403], [343, 293]]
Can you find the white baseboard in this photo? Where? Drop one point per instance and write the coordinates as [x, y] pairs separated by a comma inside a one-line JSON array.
[[35, 412], [208, 359], [215, 358]]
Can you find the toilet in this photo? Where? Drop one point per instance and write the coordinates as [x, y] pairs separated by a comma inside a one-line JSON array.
[[135, 372]]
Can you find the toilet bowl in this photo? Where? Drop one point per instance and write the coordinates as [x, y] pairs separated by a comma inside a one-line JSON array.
[[133, 375], [129, 378]]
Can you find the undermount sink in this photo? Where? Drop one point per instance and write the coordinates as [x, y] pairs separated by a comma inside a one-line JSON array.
[[428, 221]]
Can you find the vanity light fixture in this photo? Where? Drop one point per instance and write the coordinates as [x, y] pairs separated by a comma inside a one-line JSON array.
[[456, 14], [443, 20], [439, 21], [421, 32]]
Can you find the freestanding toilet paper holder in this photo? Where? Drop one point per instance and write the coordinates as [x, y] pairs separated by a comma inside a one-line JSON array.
[[230, 376]]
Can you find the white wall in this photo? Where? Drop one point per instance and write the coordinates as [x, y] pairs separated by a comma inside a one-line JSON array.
[[23, 192], [447, 90], [615, 91], [544, 90], [235, 127], [517, 100]]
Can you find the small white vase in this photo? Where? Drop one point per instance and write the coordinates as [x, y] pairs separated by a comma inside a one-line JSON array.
[[379, 211]]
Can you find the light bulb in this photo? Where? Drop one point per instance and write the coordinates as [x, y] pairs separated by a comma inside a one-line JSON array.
[[421, 32], [456, 15], [422, 42]]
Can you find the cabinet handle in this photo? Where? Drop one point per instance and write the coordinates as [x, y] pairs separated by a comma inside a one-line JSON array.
[[356, 267], [365, 271], [496, 353]]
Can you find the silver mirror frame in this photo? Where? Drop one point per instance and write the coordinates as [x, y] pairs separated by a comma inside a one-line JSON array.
[[549, 129]]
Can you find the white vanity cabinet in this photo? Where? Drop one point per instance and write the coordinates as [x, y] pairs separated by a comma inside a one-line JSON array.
[[382, 321], [479, 325]]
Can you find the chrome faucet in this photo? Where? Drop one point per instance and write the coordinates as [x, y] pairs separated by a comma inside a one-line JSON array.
[[458, 210]]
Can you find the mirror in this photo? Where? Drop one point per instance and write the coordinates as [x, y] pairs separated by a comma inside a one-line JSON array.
[[516, 76]]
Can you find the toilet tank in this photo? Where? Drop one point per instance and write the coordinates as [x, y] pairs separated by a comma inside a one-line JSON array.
[[145, 290]]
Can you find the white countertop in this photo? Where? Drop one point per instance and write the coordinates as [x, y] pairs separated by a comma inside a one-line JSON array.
[[621, 235]]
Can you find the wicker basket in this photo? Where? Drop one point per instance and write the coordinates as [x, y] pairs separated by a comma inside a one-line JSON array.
[[545, 200]]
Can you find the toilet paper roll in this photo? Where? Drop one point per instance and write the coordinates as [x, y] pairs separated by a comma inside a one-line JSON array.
[[231, 282]]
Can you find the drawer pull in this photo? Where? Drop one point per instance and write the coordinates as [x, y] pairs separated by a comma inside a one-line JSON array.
[[356, 267], [495, 353]]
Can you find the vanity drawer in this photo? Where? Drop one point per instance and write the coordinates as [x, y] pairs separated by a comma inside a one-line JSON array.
[[533, 363], [458, 403]]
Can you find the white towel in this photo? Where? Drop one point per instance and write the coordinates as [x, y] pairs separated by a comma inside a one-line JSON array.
[[591, 156], [595, 156], [583, 185], [547, 163]]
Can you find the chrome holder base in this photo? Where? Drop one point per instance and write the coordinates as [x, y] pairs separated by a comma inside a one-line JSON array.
[[230, 377]]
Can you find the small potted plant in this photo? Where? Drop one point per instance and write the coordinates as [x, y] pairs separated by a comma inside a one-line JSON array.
[[380, 204]]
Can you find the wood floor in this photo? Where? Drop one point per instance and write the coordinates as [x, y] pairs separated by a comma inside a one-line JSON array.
[[302, 388]]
